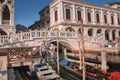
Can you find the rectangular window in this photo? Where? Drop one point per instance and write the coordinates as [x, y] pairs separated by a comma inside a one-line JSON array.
[[48, 21], [68, 14], [105, 18], [47, 12], [118, 20], [97, 18], [56, 16], [89, 16], [112, 20], [42, 14], [79, 15]]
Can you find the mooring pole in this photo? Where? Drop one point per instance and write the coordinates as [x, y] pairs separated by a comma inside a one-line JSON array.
[[80, 53], [58, 67], [83, 49]]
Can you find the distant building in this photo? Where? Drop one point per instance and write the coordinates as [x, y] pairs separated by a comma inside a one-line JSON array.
[[44, 19], [97, 20], [114, 5], [7, 17]]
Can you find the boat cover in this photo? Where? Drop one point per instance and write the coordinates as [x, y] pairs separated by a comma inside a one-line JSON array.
[[115, 76]]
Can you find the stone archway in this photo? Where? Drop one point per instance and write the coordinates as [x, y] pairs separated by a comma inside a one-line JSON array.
[[90, 32], [70, 29], [113, 34], [107, 35]]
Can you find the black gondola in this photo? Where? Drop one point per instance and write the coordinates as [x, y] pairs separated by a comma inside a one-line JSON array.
[[70, 68]]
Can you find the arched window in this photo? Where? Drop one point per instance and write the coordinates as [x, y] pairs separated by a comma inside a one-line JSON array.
[[70, 29], [6, 13], [99, 31], [107, 35], [113, 34], [90, 32]]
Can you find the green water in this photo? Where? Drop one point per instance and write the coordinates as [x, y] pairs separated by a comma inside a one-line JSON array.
[[63, 74]]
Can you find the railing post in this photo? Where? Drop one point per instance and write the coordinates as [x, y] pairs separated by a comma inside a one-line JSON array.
[[21, 36], [30, 35], [103, 61], [0, 40], [65, 53], [10, 38]]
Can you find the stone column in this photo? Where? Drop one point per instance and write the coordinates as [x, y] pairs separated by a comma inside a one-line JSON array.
[[59, 12], [116, 20], [109, 18], [110, 34], [12, 18], [65, 53], [93, 16], [102, 19], [103, 61], [62, 12], [74, 13], [103, 34], [0, 17], [84, 15]]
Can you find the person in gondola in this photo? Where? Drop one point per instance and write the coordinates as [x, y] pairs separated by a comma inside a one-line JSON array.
[[43, 54]]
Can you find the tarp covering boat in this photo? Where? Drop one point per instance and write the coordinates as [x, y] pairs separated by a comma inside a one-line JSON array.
[[115, 76]]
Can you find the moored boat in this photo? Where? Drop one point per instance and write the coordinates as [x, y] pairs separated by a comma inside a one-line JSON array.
[[72, 69]]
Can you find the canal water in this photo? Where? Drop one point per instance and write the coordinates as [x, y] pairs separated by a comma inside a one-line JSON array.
[[63, 73]]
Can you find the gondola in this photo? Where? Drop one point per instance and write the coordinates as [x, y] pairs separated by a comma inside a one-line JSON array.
[[72, 69]]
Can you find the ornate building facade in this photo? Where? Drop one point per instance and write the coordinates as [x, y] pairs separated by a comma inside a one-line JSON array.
[[44, 19], [97, 20], [7, 17]]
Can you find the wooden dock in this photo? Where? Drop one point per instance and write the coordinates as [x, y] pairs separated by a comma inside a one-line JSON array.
[[47, 73], [3, 68]]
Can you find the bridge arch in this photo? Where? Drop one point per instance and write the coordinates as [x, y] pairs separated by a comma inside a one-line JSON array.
[[64, 42]]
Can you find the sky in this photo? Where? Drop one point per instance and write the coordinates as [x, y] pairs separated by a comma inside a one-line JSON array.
[[27, 11]]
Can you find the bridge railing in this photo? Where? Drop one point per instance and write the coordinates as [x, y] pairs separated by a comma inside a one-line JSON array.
[[27, 36]]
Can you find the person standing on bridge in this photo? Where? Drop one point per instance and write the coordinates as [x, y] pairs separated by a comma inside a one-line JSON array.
[[52, 51], [43, 53]]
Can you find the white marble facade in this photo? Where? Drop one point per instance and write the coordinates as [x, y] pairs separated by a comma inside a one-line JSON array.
[[97, 20]]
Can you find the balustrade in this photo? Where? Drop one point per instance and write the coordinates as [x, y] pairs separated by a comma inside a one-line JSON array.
[[26, 36]]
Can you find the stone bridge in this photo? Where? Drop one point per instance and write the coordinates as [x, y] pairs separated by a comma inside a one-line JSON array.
[[35, 37]]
